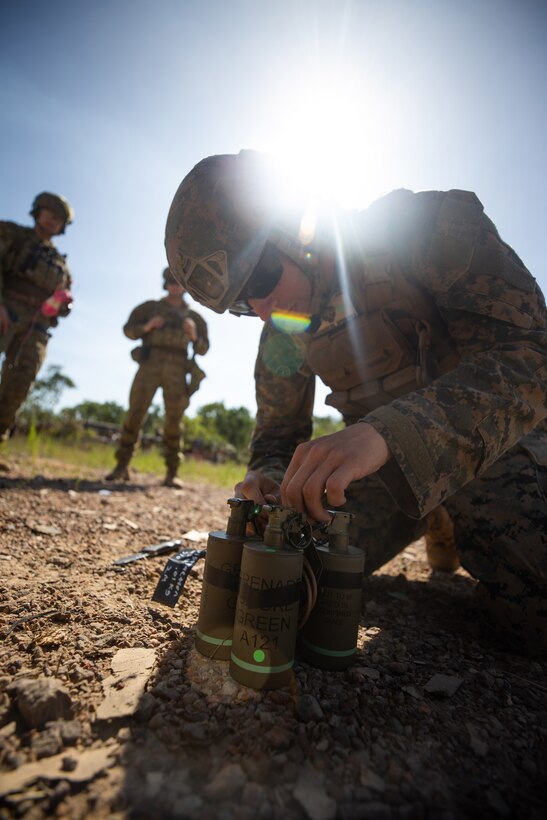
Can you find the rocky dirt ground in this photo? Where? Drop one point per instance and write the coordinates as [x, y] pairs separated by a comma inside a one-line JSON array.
[[107, 710]]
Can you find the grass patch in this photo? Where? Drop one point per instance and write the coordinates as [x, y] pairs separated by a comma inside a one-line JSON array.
[[86, 454]]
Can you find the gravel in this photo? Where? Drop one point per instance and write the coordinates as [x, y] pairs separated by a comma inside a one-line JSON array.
[[431, 721]]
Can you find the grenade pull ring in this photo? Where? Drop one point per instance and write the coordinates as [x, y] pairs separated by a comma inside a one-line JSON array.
[[286, 527]]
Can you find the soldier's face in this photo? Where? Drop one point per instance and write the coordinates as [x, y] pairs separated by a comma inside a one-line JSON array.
[[292, 293], [49, 223], [174, 289]]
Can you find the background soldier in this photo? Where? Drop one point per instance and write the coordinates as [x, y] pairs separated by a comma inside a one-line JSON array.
[[432, 336], [34, 292], [166, 326]]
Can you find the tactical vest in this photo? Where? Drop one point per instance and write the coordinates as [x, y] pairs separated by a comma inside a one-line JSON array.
[[172, 335], [34, 270], [390, 341], [387, 337], [168, 337]]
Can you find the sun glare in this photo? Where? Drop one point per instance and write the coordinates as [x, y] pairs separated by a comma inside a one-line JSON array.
[[334, 140]]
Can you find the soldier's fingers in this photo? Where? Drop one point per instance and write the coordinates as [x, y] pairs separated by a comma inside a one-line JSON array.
[[306, 489], [303, 454], [250, 487]]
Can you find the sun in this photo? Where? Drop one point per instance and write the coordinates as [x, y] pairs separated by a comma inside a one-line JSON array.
[[333, 138]]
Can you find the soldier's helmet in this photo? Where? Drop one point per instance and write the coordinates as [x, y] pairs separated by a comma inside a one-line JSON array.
[[169, 278], [53, 202], [218, 225]]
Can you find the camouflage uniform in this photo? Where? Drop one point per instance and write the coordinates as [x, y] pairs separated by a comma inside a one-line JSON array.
[[164, 363], [436, 335], [31, 269]]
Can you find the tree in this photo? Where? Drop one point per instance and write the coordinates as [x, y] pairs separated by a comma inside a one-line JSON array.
[[45, 394], [109, 412], [153, 421], [233, 425], [325, 425]]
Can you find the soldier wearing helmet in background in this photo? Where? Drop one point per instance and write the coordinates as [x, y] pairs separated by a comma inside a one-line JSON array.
[[431, 334], [167, 327], [34, 291]]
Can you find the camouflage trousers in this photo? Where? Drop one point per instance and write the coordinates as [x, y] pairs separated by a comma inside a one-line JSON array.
[[165, 370], [24, 346], [500, 528]]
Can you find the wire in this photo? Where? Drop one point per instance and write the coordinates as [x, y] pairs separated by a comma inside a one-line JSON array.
[[310, 594]]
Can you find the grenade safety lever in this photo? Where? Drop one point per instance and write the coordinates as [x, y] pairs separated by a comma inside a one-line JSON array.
[[286, 527]]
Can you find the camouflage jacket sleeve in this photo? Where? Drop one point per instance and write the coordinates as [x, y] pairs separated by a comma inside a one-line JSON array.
[[9, 234], [285, 389], [201, 345], [443, 435], [134, 327]]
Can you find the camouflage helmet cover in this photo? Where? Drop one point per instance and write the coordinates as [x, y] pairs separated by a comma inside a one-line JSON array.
[[53, 202], [169, 278], [218, 224]]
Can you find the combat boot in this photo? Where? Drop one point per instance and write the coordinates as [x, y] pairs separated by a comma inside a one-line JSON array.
[[119, 473], [440, 545], [171, 479]]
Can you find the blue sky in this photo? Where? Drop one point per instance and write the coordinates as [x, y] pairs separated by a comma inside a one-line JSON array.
[[112, 103]]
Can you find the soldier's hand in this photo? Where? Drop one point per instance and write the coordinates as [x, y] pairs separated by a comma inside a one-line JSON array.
[[259, 488], [323, 468], [4, 320], [189, 327], [154, 323]]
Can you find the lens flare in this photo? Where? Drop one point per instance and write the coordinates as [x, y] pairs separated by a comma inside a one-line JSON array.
[[288, 322]]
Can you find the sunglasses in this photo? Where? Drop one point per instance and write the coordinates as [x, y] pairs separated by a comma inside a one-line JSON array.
[[262, 281]]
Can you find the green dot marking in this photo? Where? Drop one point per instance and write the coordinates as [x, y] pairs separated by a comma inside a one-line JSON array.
[[259, 655]]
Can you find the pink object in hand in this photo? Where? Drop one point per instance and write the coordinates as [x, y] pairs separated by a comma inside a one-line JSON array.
[[52, 306]]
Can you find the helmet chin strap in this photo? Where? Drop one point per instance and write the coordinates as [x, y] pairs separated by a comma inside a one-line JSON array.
[[317, 268], [322, 281]]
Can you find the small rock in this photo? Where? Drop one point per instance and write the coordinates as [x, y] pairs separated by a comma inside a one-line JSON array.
[[371, 780], [412, 691], [278, 737], [443, 685], [46, 744], [40, 700], [368, 672], [396, 725], [479, 747], [9, 729], [188, 806], [308, 709], [69, 764], [154, 783], [310, 792], [197, 732], [266, 718], [226, 782], [397, 667], [147, 707], [71, 731]]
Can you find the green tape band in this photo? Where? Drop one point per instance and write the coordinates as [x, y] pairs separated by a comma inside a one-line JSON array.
[[332, 653], [262, 670], [215, 641]]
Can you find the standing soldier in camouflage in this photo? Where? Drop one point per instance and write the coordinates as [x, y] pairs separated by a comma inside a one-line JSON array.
[[34, 291], [166, 327], [431, 334]]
